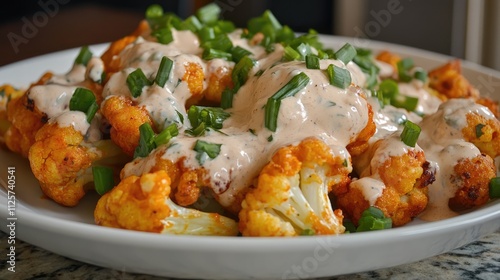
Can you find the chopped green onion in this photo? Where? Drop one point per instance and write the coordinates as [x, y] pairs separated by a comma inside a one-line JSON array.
[[404, 65], [479, 130], [146, 141], [312, 61], [208, 14], [226, 101], [256, 24], [304, 49], [495, 187], [136, 81], [410, 133], [290, 54], [238, 53], [339, 77], [206, 33], [164, 71], [204, 118], [241, 70], [406, 102], [204, 149], [92, 110], [103, 179], [167, 134], [191, 23], [154, 11], [163, 35], [84, 100], [83, 56], [420, 75], [363, 52], [219, 42], [270, 138], [373, 219], [296, 84], [346, 53], [388, 88], [285, 34], [224, 26], [308, 232], [209, 54], [349, 226]]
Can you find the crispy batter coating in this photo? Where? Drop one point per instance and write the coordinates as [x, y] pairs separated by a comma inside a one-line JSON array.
[[360, 144], [62, 163], [291, 195], [7, 93], [110, 57], [217, 83], [25, 120], [484, 133], [490, 104], [404, 196], [472, 176], [125, 119], [194, 77], [143, 204], [449, 81]]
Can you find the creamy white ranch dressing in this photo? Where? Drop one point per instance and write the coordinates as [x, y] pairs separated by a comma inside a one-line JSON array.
[[385, 69], [371, 188], [320, 110], [52, 99], [427, 102], [74, 76], [442, 140], [95, 69], [76, 119]]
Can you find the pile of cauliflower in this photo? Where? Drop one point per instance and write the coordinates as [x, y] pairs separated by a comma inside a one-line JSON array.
[[304, 188]]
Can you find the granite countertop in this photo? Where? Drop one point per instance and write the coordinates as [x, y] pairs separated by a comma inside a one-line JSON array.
[[477, 260]]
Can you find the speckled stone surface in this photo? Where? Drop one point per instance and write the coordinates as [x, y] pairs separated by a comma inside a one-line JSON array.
[[478, 260]]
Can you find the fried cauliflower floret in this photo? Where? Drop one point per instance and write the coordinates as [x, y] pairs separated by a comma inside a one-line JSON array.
[[124, 118], [143, 203], [25, 120], [389, 58], [61, 161], [396, 184], [292, 193], [7, 93], [194, 77], [218, 81], [472, 178], [450, 83], [484, 133], [360, 144]]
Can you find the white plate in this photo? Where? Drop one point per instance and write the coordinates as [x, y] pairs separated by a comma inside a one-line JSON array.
[[70, 231]]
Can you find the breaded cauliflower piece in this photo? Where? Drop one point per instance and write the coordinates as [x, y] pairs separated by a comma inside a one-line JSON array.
[[291, 195], [7, 93], [61, 161], [389, 58], [218, 81], [393, 177], [143, 203], [125, 119], [471, 178], [483, 132], [450, 83]]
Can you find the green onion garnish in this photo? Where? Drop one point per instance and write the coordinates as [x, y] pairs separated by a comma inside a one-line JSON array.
[[208, 14], [146, 141], [388, 88], [339, 77], [226, 101], [420, 75], [191, 23], [154, 11], [312, 61], [296, 84], [290, 54], [84, 100], [304, 49], [349, 226], [373, 219], [495, 187], [346, 53], [308, 232], [205, 149], [209, 54], [404, 65], [406, 102], [204, 118], [206, 33], [136, 81], [163, 35], [479, 130], [103, 179], [238, 53], [241, 70], [219, 42], [258, 23], [83, 56], [164, 71], [167, 134], [410, 133]]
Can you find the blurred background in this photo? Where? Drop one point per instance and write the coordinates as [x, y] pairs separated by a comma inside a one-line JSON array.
[[467, 29]]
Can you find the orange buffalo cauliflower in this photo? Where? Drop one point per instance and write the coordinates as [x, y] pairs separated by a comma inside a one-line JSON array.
[[292, 193], [62, 162], [450, 83], [393, 177], [143, 203], [7, 93]]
